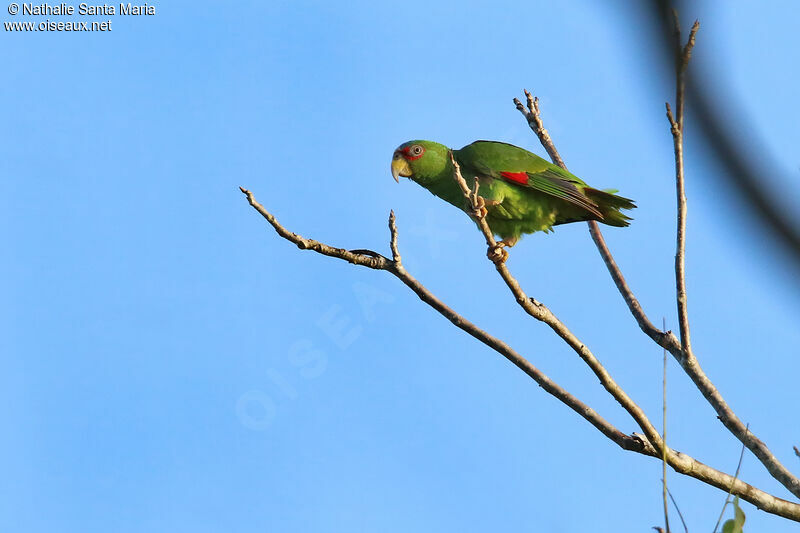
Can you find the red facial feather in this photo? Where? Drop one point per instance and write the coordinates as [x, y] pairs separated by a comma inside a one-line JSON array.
[[516, 177], [407, 154]]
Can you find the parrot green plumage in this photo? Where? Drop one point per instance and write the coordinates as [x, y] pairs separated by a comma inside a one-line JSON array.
[[523, 192]]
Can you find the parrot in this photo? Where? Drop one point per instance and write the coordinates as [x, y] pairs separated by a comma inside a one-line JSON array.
[[521, 192]]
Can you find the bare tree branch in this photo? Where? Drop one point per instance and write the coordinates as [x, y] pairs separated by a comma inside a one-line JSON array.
[[745, 161], [373, 260], [393, 241], [676, 122], [540, 312], [683, 54], [680, 462], [534, 118], [533, 115], [366, 258], [687, 360]]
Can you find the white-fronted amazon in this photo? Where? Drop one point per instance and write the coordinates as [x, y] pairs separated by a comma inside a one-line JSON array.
[[523, 192]]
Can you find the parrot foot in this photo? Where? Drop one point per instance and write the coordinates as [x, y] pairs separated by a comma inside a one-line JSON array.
[[479, 211], [497, 254]]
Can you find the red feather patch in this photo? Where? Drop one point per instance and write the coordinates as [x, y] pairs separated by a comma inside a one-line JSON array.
[[516, 177]]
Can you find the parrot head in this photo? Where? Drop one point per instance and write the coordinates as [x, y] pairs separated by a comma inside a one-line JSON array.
[[422, 161]]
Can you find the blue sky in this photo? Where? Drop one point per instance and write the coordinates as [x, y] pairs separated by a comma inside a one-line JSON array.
[[170, 364]]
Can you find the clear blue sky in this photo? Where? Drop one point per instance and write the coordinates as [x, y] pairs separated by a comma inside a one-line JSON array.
[[170, 364]]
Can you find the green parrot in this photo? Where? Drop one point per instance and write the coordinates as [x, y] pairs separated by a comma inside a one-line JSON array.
[[522, 192]]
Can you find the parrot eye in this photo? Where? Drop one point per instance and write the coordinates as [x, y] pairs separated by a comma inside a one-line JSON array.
[[417, 150]]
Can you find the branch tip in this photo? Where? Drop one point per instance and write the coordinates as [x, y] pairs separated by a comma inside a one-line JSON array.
[[676, 21], [393, 239]]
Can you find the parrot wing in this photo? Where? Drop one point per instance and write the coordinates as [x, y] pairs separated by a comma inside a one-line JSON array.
[[521, 168]]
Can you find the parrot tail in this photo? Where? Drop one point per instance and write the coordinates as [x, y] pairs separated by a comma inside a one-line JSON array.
[[610, 205]]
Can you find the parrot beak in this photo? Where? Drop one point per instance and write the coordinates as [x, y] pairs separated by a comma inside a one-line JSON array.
[[400, 167]]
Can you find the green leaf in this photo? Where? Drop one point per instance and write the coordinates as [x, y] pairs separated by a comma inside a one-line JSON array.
[[735, 524]]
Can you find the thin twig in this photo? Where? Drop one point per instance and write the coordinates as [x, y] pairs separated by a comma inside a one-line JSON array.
[[677, 133], [664, 438], [366, 258], [728, 497], [676, 122], [796, 451], [680, 514], [534, 118], [393, 241], [686, 358], [743, 159], [680, 462]]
